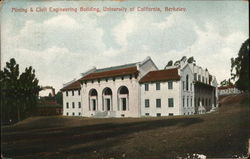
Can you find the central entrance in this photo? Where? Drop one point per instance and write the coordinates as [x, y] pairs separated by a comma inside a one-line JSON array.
[[107, 99]]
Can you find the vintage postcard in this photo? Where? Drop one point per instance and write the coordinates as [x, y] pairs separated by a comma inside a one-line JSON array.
[[124, 79]]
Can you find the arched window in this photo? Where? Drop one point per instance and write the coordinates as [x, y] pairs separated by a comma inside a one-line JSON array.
[[187, 83], [123, 98], [107, 102], [93, 99]]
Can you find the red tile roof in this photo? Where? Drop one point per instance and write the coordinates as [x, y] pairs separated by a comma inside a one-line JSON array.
[[72, 86], [110, 73], [161, 75]]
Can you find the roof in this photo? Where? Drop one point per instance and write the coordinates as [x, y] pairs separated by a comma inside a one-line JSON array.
[[111, 72], [72, 86], [204, 85], [161, 75], [225, 87]]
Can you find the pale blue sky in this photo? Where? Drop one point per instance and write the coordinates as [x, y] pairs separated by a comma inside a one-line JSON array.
[[60, 46]]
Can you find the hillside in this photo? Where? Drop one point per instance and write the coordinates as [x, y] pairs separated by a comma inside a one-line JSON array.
[[224, 133]]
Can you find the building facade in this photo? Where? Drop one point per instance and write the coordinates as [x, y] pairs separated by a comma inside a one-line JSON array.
[[228, 90], [140, 89]]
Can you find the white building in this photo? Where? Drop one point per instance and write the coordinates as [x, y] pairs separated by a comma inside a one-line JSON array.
[[140, 89], [228, 90]]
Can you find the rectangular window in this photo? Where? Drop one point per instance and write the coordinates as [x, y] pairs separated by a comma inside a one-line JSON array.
[[158, 86], [73, 105], [195, 76], [187, 101], [170, 85], [183, 85], [146, 103], [202, 79], [93, 104], [183, 101], [79, 114], [79, 104], [146, 87], [191, 87], [67, 93], [195, 102], [158, 114], [199, 77], [147, 114], [79, 92], [124, 104], [67, 114], [158, 103], [170, 102], [73, 114], [67, 105], [72, 92], [191, 101], [170, 114]]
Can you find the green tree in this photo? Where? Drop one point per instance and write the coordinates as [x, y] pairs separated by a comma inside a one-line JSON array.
[[59, 98], [226, 82], [240, 68], [19, 92]]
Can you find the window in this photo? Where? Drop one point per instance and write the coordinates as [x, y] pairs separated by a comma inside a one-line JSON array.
[[67, 114], [146, 87], [158, 103], [199, 77], [72, 92], [183, 101], [113, 78], [93, 104], [147, 114], [106, 80], [191, 101], [170, 102], [158, 114], [191, 87], [79, 114], [187, 83], [73, 114], [187, 101], [158, 86], [170, 85], [195, 103], [79, 104], [67, 94], [170, 114], [73, 105], [183, 85], [67, 105], [146, 103], [124, 104], [79, 92], [195, 76], [122, 78], [202, 79]]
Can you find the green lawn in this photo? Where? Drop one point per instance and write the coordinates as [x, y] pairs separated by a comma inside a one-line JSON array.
[[221, 134]]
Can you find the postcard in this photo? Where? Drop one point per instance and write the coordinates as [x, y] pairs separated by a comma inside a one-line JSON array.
[[124, 79]]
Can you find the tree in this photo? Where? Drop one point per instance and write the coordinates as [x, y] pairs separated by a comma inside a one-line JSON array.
[[240, 68], [191, 60], [19, 93], [59, 98], [170, 63], [226, 83]]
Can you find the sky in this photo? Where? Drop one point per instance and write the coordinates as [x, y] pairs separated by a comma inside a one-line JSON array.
[[60, 46]]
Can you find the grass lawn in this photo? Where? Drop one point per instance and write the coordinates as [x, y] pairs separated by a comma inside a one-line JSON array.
[[220, 134]]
